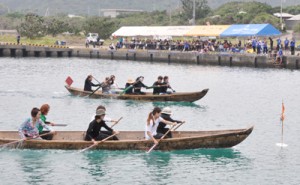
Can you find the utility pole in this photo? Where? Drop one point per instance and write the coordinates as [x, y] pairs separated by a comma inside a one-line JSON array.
[[194, 12], [281, 23]]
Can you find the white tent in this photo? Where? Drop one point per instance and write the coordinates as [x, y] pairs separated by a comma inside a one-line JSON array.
[[152, 31]]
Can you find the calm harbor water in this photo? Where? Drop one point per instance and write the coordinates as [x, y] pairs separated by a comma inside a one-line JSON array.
[[238, 98]]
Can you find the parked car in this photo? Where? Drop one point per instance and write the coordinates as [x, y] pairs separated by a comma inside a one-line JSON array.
[[94, 39]]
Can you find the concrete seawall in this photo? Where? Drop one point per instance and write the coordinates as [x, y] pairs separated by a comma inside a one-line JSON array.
[[220, 59]]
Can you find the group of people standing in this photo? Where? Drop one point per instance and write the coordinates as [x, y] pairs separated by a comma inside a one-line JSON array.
[[109, 86]]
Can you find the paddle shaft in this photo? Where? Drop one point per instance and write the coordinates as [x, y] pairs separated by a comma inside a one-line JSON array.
[[130, 86], [93, 145], [160, 140], [99, 86], [116, 122], [24, 139]]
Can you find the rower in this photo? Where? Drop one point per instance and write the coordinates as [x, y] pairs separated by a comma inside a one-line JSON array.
[[152, 124], [88, 83], [157, 85], [138, 84], [94, 132], [165, 86], [29, 128], [45, 108], [166, 115]]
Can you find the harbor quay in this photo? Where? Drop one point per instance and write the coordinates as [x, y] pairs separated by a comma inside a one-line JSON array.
[[217, 58]]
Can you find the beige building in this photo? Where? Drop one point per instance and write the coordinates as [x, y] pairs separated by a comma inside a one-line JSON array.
[[292, 22], [115, 12]]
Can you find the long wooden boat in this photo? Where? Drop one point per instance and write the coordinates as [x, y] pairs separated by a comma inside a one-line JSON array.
[[134, 140], [177, 97]]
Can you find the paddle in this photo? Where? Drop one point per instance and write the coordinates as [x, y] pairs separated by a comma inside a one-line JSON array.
[[93, 145], [130, 86], [99, 85], [25, 139], [102, 139], [164, 136], [116, 122], [60, 125]]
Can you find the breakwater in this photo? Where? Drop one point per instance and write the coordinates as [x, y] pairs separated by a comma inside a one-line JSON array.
[[221, 59]]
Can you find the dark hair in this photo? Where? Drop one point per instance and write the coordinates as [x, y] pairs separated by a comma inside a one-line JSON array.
[[34, 112], [166, 77], [160, 77], [150, 115], [87, 78], [138, 78], [101, 107]]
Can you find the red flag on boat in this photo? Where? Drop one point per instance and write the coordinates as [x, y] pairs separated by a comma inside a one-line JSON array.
[[282, 112], [69, 81]]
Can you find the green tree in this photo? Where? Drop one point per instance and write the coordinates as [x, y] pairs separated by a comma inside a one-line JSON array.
[[32, 27], [201, 9], [103, 26], [55, 26], [266, 18]]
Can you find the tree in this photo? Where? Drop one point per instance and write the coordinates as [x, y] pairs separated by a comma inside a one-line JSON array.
[[266, 18], [32, 27], [103, 26], [55, 26], [201, 7]]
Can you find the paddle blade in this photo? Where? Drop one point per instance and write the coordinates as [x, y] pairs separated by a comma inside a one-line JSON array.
[[69, 81]]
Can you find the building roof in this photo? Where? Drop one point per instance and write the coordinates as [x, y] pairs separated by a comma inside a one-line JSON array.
[[284, 15], [295, 18]]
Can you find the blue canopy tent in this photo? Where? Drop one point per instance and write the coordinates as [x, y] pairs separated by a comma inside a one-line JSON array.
[[247, 30]]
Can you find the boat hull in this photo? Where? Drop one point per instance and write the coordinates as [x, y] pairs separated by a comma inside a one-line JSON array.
[[176, 97], [134, 140]]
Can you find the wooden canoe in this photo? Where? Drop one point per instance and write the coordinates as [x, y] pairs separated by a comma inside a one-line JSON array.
[[134, 140], [177, 97]]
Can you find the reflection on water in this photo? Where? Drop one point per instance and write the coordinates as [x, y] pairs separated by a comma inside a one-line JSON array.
[[179, 104]]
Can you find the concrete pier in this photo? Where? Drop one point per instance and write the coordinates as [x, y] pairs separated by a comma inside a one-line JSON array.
[[220, 59]]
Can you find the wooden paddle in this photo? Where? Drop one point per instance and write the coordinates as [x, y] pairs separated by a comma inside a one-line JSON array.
[[93, 145], [130, 86], [116, 122], [24, 139], [164, 136], [99, 86]]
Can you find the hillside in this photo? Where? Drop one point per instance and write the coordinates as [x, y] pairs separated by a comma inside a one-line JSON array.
[[93, 7]]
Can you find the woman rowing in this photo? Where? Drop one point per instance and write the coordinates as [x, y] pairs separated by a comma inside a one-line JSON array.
[[29, 128], [166, 115], [113, 85], [152, 124], [138, 84], [129, 87], [44, 112], [88, 84], [94, 132]]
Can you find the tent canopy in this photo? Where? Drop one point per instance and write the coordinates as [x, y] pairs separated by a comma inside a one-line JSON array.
[[246, 30], [151, 31], [206, 31]]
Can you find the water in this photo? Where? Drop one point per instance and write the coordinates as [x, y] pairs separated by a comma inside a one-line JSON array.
[[238, 98]]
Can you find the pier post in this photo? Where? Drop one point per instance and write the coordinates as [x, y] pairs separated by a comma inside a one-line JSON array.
[[134, 56], [198, 60], [127, 58], [219, 60]]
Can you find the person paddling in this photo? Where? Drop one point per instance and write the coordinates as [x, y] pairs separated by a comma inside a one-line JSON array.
[[94, 132], [152, 124], [157, 85], [29, 128], [166, 115], [165, 86], [138, 85], [45, 108], [129, 86], [88, 83]]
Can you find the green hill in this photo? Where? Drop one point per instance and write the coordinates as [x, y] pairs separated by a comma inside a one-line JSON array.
[[93, 7]]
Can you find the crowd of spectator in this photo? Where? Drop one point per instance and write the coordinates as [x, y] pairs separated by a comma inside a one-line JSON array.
[[251, 45]]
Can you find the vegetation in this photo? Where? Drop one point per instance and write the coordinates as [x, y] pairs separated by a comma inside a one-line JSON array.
[[297, 28], [34, 26]]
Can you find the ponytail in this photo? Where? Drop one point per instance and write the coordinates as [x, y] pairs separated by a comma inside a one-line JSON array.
[[151, 114]]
